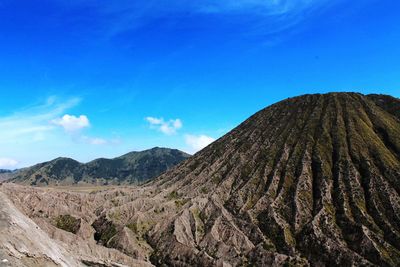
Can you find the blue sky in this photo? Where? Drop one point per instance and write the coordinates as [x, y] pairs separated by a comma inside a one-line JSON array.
[[91, 78]]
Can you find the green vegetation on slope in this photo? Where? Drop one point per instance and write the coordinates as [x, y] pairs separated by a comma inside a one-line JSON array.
[[68, 223], [132, 168]]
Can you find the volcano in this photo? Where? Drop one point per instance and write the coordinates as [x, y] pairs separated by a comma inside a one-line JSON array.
[[315, 177]]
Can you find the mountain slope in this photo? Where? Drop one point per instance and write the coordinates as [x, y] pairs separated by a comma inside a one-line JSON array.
[[132, 168], [388, 103], [316, 176], [310, 181]]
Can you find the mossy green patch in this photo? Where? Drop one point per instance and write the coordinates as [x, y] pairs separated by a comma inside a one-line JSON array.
[[179, 203], [173, 195], [68, 223], [203, 190], [140, 228]]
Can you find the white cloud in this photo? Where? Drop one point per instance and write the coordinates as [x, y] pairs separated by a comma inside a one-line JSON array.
[[7, 163], [72, 123], [167, 127], [73, 126], [198, 142]]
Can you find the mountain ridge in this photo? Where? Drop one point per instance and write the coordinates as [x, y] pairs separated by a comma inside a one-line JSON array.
[[130, 168]]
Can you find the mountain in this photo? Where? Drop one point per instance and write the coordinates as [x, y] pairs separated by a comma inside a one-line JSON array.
[[316, 177], [132, 168], [309, 181]]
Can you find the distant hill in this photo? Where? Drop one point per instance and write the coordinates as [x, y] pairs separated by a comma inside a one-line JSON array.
[[5, 174], [132, 168]]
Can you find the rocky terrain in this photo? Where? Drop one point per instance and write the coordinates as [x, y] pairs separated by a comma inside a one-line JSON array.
[[24, 244], [310, 181], [132, 168]]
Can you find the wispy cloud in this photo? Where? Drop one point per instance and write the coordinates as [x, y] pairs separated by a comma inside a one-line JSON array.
[[44, 126], [29, 126], [32, 123], [155, 7], [262, 7], [169, 127], [126, 15]]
